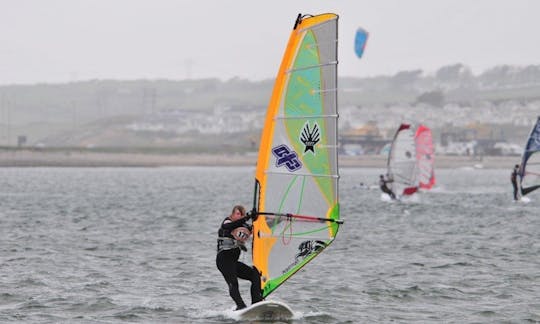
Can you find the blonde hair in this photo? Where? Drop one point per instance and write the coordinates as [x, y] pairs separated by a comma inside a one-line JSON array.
[[240, 208]]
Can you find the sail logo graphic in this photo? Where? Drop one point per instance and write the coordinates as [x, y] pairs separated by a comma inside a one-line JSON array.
[[310, 137], [286, 157], [308, 247], [305, 249]]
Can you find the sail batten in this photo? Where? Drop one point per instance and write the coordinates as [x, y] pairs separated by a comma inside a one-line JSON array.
[[304, 174], [307, 117], [297, 167], [325, 90], [309, 67]]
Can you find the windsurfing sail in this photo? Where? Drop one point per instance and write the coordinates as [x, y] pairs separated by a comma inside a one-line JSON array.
[[529, 171], [401, 163], [296, 178], [425, 157]]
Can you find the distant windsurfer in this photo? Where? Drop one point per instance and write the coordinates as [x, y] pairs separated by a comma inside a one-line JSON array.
[[513, 179], [232, 235], [362, 186], [384, 187]]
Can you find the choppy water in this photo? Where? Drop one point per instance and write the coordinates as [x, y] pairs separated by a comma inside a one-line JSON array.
[[137, 245]]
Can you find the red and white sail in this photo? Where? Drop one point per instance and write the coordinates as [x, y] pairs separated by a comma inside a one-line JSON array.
[[425, 157]]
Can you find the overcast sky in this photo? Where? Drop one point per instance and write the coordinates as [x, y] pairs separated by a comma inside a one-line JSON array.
[[73, 40]]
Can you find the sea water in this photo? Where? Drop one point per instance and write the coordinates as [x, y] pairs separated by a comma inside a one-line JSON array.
[[137, 245]]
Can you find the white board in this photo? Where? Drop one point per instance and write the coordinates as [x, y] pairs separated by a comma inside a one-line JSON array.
[[267, 310]]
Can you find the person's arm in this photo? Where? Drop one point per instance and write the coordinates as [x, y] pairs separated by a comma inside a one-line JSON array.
[[232, 225]]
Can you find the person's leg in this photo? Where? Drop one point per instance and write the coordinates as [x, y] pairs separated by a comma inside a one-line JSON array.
[[390, 193], [227, 266], [250, 273]]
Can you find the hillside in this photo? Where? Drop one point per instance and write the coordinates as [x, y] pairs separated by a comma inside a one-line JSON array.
[[214, 115]]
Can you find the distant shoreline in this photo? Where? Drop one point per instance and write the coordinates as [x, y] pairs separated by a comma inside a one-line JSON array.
[[75, 158]]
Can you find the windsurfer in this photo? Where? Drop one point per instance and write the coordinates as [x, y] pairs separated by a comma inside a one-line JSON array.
[[513, 179], [232, 235], [384, 187]]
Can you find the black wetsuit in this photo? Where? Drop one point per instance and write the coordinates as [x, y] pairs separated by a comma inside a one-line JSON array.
[[232, 269], [513, 178], [385, 189]]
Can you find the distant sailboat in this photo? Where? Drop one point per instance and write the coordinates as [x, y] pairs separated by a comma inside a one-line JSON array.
[[401, 163], [529, 171], [296, 178], [425, 157]]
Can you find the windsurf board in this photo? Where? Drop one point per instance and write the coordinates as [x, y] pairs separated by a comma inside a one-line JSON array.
[[267, 310]]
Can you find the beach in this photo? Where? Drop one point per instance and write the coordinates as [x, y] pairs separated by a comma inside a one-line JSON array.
[[86, 158]]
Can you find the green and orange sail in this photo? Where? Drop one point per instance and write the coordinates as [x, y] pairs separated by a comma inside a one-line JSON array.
[[296, 187]]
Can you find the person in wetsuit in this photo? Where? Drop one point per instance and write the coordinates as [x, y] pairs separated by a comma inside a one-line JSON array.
[[383, 184], [229, 245], [513, 179]]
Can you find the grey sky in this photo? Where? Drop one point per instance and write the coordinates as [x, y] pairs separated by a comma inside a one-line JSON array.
[[68, 40]]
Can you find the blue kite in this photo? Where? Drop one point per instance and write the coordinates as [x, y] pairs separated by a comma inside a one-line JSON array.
[[360, 41]]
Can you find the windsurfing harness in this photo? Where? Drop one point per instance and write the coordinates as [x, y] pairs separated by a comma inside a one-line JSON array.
[[225, 240]]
